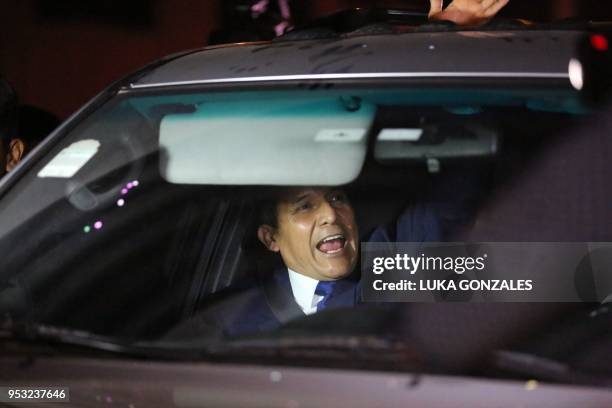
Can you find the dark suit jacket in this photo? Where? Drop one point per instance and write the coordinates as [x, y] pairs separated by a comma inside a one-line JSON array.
[[265, 305]]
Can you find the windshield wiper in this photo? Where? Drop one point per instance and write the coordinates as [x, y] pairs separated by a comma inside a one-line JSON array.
[[33, 332], [60, 337], [327, 342], [363, 349], [367, 351], [545, 369]]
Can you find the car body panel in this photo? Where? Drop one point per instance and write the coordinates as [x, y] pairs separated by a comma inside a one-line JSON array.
[[456, 55], [95, 382]]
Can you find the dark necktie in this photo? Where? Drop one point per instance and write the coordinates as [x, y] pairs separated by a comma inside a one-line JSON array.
[[325, 289]]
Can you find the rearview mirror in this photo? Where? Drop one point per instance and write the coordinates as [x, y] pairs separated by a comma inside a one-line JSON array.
[[435, 142]]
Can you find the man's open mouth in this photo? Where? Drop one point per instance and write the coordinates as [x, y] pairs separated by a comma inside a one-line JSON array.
[[332, 244]]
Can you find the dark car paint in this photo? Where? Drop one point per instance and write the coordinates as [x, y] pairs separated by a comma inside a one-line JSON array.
[[132, 384], [500, 54]]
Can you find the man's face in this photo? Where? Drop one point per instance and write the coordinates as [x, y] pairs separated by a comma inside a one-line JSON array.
[[316, 235]]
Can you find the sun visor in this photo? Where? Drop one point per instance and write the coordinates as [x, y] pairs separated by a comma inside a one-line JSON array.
[[284, 142]]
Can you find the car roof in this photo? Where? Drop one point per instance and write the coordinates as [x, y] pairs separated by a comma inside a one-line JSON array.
[[519, 54]]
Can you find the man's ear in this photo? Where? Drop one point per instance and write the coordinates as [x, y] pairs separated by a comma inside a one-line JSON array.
[[267, 236], [15, 153]]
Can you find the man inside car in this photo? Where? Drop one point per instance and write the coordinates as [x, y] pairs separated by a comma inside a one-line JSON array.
[[314, 232]]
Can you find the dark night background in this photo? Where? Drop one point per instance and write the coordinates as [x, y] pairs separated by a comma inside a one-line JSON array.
[[60, 53]]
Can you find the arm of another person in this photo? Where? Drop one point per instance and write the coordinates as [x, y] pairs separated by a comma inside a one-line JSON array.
[[466, 12]]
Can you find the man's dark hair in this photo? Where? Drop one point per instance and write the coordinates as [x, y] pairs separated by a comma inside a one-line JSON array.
[[268, 210], [268, 207], [8, 112]]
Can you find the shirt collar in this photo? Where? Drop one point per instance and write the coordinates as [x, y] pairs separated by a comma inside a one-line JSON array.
[[303, 288]]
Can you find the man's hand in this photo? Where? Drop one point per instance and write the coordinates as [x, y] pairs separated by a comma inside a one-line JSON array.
[[466, 12]]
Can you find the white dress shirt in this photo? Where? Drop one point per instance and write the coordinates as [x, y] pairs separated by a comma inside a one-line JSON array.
[[303, 288]]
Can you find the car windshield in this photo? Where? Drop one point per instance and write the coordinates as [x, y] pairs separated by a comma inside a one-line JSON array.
[[145, 215]]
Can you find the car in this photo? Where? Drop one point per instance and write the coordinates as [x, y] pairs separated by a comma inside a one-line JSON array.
[[141, 212]]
